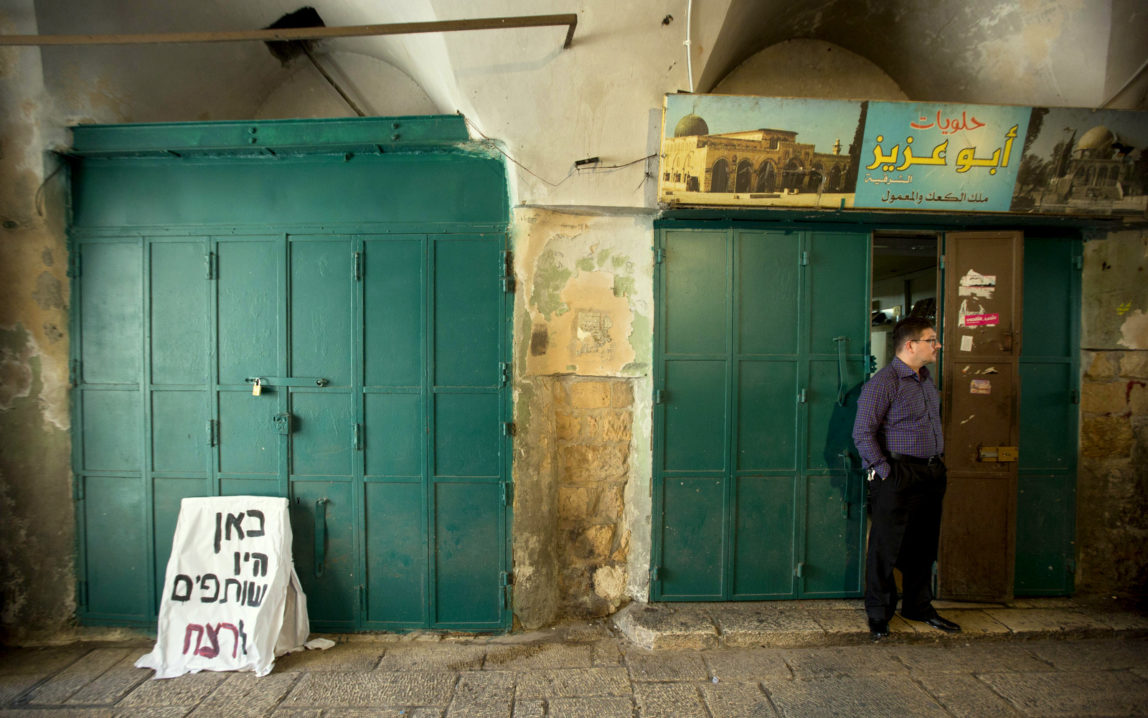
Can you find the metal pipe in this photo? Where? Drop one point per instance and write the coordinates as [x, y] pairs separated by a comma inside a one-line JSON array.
[[304, 33]]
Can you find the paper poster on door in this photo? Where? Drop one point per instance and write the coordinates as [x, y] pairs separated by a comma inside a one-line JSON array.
[[967, 343], [975, 284], [980, 386]]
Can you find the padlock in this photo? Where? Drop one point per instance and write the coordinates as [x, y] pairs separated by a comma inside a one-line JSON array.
[[257, 387]]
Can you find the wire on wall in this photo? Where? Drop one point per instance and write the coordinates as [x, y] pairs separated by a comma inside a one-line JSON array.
[[689, 60]]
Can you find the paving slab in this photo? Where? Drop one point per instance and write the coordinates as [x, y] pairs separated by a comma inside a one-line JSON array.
[[55, 713], [433, 657], [483, 694], [745, 665], [1083, 655], [968, 657], [574, 682], [606, 652], [737, 700], [808, 663], [186, 690], [667, 666], [377, 688], [340, 657], [39, 661], [876, 696], [598, 707], [93, 664], [1049, 621], [357, 713], [974, 623], [1086, 693], [669, 700], [245, 695], [965, 697], [539, 655], [667, 626], [529, 709], [766, 626], [850, 623]]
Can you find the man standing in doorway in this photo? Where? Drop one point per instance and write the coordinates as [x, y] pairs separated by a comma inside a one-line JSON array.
[[898, 434]]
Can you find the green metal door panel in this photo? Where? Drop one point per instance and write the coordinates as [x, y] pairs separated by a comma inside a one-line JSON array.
[[397, 558], [467, 298], [693, 539], [393, 304], [250, 303], [1048, 279], [766, 422], [250, 487], [1048, 417], [695, 274], [1045, 534], [166, 496], [321, 311], [764, 551], [768, 284], [838, 287], [112, 423], [468, 550], [467, 435], [180, 434], [833, 537], [695, 416], [179, 323], [830, 423], [321, 438], [395, 442], [110, 322], [323, 530], [116, 540], [248, 435]]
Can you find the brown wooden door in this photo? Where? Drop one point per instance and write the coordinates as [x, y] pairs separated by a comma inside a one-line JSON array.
[[982, 322]]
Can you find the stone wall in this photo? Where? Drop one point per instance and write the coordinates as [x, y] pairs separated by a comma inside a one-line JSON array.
[[593, 422], [1112, 486]]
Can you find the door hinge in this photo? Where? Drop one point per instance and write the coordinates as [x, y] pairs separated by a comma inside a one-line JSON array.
[[82, 593], [805, 258], [209, 260], [212, 432], [77, 488], [504, 372], [1070, 565], [942, 262], [74, 263], [74, 372], [509, 428], [659, 396], [362, 600], [357, 266], [506, 581], [507, 493], [1074, 396], [1078, 262], [654, 574], [507, 268], [801, 397], [358, 437], [799, 570], [659, 255]]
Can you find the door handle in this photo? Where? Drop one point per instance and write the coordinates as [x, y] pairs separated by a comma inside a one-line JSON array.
[[320, 536]]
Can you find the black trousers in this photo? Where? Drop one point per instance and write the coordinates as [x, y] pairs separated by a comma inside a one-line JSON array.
[[905, 509]]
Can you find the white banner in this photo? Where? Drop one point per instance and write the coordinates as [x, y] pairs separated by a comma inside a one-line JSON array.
[[231, 598]]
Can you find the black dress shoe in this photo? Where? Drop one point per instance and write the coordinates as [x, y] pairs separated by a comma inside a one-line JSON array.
[[939, 623], [878, 630]]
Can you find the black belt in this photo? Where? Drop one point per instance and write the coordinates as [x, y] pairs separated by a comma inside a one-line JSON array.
[[934, 460]]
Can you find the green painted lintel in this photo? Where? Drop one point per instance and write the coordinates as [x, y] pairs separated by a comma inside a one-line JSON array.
[[269, 136]]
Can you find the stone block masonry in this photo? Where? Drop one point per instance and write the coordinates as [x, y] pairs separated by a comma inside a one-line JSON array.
[[593, 423]]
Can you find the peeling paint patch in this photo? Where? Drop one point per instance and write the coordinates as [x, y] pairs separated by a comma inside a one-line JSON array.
[[549, 279], [15, 381], [48, 293], [1134, 330]]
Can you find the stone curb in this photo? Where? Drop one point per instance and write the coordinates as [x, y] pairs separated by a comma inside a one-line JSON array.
[[701, 626]]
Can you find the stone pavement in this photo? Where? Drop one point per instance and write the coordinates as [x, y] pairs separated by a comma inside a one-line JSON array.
[[1051, 658]]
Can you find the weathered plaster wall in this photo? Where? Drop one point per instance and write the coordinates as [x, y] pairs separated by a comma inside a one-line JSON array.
[[1112, 490], [583, 351], [37, 537]]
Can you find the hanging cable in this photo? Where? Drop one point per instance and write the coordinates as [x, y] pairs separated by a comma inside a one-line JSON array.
[[689, 61]]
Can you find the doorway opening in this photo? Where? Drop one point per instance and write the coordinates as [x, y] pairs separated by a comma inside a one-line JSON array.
[[904, 281]]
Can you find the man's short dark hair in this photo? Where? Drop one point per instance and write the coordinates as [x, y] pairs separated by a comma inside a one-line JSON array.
[[909, 328]]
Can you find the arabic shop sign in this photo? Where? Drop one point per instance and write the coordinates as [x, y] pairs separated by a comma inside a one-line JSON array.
[[906, 156], [940, 157]]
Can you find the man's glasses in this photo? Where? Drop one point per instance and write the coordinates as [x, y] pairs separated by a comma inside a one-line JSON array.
[[932, 341]]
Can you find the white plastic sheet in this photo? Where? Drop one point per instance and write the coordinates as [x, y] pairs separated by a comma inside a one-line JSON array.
[[231, 598]]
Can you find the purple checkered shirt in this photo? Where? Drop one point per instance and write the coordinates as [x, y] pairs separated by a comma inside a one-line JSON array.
[[898, 411]]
